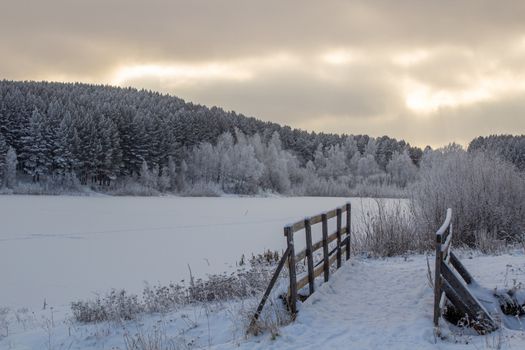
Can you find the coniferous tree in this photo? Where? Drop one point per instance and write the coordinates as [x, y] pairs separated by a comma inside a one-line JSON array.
[[35, 148]]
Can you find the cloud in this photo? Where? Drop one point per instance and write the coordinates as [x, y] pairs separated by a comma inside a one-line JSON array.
[[420, 70]]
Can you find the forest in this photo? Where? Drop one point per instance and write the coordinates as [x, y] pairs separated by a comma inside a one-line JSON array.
[[61, 138]]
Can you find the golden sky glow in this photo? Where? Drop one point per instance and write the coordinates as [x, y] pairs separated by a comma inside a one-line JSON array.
[[427, 71]]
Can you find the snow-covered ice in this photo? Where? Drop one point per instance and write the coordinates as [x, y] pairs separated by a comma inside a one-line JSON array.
[[61, 248]]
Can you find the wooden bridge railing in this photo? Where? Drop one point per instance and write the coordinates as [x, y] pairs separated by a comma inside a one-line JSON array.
[[323, 266], [451, 280]]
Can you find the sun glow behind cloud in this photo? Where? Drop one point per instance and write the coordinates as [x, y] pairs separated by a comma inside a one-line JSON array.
[[340, 57], [180, 73], [425, 99]]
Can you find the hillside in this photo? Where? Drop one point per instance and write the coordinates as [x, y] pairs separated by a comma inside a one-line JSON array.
[[106, 132]]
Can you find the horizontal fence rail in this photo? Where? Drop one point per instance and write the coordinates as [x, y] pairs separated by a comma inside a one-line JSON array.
[[341, 236], [451, 280]]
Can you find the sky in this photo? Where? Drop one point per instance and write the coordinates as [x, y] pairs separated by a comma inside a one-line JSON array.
[[430, 72]]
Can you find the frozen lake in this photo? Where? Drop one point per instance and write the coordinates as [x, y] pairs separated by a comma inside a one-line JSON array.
[[65, 248]]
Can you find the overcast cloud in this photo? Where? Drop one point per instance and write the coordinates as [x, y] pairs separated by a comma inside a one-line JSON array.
[[430, 72]]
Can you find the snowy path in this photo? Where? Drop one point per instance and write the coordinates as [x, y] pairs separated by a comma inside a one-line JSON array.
[[386, 304]]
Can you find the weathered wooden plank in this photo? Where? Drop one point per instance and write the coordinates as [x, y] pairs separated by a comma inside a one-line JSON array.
[[330, 214], [446, 245], [475, 309], [326, 264], [460, 268], [446, 223], [348, 207], [454, 298], [484, 324], [299, 225], [266, 294], [315, 219], [291, 269], [338, 233], [308, 233], [437, 280]]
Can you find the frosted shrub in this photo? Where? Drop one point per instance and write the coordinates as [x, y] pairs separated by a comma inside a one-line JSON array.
[[120, 306], [4, 322], [378, 191], [390, 230], [318, 186], [163, 298], [54, 184], [131, 187], [115, 306], [202, 189], [65, 183], [485, 193]]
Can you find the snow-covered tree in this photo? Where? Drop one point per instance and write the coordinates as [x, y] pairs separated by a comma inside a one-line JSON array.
[[3, 152], [36, 149], [367, 166], [10, 168], [172, 173], [99, 134], [401, 169], [148, 178]]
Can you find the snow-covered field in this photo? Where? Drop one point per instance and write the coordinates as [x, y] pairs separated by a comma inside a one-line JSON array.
[[61, 249], [67, 248]]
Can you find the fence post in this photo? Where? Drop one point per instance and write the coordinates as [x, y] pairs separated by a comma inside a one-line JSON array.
[[437, 280], [347, 247], [309, 254], [326, 262], [338, 234], [291, 267]]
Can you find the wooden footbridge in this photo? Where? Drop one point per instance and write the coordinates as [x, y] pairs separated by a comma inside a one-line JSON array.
[[451, 278]]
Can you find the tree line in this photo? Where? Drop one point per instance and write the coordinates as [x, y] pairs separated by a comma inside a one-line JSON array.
[[115, 138]]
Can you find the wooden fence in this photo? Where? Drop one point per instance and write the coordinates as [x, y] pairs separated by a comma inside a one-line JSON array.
[[451, 280], [323, 266]]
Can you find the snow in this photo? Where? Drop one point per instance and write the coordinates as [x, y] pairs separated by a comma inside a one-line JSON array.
[[67, 248], [367, 304]]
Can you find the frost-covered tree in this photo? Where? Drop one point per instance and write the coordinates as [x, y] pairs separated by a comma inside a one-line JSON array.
[[3, 152], [181, 176], [10, 168], [275, 161], [101, 134], [148, 178], [243, 170], [172, 173], [36, 150], [164, 182], [335, 162], [371, 148], [401, 169], [367, 166]]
